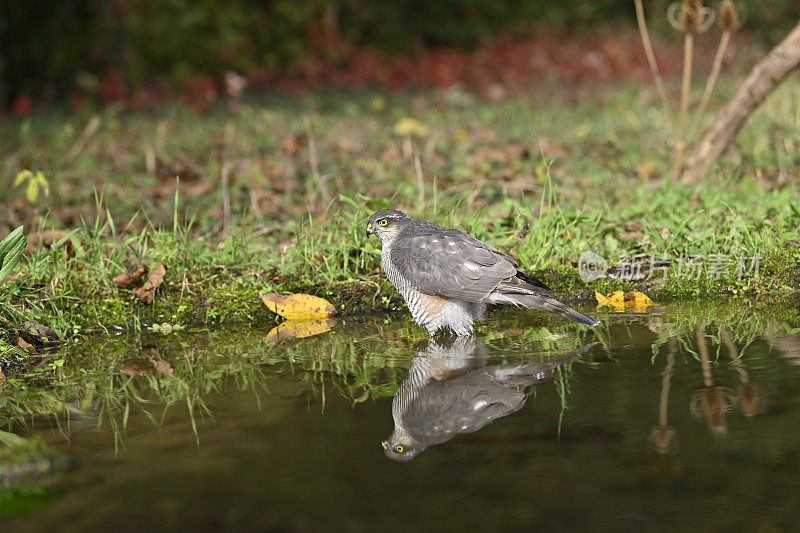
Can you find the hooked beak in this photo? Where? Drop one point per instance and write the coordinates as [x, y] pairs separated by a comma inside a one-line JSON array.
[[385, 445], [370, 229]]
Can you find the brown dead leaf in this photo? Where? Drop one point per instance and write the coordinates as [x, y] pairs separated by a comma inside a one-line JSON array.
[[2, 379], [629, 236], [164, 367], [200, 188], [147, 292], [293, 142], [127, 280], [634, 226], [298, 306], [35, 338], [45, 239], [40, 330], [28, 347], [136, 367]]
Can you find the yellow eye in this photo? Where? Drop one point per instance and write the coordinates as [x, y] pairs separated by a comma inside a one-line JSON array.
[[399, 449], [383, 222]]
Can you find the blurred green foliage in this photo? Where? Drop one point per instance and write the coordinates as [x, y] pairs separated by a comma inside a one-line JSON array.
[[50, 47]]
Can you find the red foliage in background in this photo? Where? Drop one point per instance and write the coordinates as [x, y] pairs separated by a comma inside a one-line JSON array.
[[199, 93], [502, 62], [505, 61], [22, 106], [112, 88]]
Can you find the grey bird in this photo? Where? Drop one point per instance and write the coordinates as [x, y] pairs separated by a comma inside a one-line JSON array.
[[450, 390], [447, 277]]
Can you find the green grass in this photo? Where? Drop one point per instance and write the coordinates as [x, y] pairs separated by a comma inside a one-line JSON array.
[[544, 177]]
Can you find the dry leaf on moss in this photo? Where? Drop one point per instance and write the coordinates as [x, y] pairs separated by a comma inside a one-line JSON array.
[[147, 292], [300, 328], [298, 306], [127, 280], [28, 347]]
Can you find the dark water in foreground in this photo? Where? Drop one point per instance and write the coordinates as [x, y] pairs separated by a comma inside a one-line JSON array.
[[674, 420]]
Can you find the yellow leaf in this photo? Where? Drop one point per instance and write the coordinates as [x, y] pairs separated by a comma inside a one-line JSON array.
[[622, 301], [614, 300], [617, 298], [637, 301], [410, 126], [300, 328], [298, 306], [601, 299]]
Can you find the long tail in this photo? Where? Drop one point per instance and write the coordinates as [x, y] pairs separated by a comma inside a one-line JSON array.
[[551, 305]]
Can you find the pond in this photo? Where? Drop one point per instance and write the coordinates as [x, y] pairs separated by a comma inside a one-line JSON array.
[[680, 418]]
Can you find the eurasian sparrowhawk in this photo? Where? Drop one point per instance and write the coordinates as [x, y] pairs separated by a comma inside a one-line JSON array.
[[447, 277], [449, 390]]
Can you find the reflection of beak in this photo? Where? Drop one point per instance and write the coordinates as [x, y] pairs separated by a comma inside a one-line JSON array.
[[370, 229], [385, 445]]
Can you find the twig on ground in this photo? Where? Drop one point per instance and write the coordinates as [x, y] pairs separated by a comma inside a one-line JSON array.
[[190, 163], [313, 163], [420, 179], [224, 174], [80, 143]]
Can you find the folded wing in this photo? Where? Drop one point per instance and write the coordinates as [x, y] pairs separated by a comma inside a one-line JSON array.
[[451, 265]]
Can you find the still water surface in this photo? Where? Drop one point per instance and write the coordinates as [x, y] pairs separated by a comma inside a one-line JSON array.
[[664, 421]]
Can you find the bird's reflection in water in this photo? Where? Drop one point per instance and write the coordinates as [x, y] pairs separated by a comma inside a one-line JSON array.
[[450, 389]]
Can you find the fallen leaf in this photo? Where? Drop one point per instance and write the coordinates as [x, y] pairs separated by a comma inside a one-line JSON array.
[[622, 301], [147, 292], [410, 127], [300, 328], [46, 239], [35, 340], [37, 335], [298, 306], [164, 367], [602, 299], [2, 379], [134, 367], [127, 280], [28, 347], [629, 236], [637, 299], [646, 169], [293, 142]]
